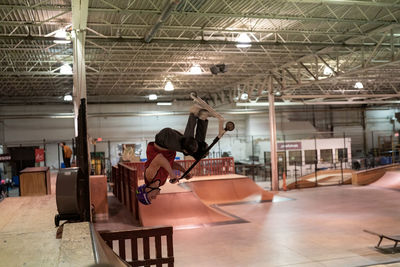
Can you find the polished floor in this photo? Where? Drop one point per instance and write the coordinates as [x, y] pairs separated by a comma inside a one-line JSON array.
[[313, 227], [308, 227]]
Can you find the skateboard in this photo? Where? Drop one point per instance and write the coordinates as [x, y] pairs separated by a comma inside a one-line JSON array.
[[229, 126]]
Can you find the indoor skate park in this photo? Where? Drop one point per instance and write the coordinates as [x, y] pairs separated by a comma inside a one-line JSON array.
[[302, 102]]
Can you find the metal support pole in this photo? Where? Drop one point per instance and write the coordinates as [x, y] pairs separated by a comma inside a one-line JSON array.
[[363, 124], [285, 159], [344, 148], [295, 172], [341, 169], [373, 150], [316, 161], [44, 149], [252, 157], [58, 153], [272, 129]]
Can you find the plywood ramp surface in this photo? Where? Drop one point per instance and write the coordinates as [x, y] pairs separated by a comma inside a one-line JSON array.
[[27, 231], [178, 209], [390, 179], [229, 191]]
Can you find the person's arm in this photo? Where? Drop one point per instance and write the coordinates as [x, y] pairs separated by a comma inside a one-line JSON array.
[[179, 167], [165, 164]]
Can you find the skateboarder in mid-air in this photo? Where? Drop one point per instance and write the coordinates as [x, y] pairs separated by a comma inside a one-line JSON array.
[[161, 153]]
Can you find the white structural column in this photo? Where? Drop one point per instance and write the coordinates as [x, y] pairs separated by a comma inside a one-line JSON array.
[[272, 130], [79, 21]]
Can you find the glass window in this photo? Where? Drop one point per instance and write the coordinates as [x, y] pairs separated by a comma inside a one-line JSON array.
[[310, 156], [341, 154], [295, 158], [326, 155]]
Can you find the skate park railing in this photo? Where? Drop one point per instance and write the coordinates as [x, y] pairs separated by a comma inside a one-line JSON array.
[[369, 176], [153, 241], [214, 166], [125, 182]]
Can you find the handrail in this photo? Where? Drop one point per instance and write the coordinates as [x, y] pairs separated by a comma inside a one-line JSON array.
[[103, 254]]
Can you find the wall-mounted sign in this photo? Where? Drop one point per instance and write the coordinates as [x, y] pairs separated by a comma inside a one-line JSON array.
[[5, 157], [289, 146], [39, 154]]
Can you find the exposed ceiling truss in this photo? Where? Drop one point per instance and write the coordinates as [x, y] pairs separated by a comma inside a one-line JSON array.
[[315, 50]]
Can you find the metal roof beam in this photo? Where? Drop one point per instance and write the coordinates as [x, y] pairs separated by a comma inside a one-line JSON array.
[[165, 13], [348, 3]]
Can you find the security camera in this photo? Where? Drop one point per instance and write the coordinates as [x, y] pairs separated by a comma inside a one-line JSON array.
[[219, 68]]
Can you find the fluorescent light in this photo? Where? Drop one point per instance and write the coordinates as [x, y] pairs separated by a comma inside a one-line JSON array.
[[359, 85], [62, 34], [68, 98], [66, 69], [152, 97], [195, 69], [327, 71], [243, 40], [164, 103], [169, 86], [244, 96]]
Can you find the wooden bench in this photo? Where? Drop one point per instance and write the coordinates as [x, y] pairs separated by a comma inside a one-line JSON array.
[[395, 239], [147, 235]]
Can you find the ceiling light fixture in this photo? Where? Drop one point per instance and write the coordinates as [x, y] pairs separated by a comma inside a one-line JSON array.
[[244, 96], [153, 97], [164, 103], [68, 98], [358, 85], [243, 40], [169, 86], [66, 69], [195, 69], [61, 34], [327, 71]]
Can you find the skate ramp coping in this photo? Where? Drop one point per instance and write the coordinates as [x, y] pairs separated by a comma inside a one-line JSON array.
[[390, 180], [369, 176]]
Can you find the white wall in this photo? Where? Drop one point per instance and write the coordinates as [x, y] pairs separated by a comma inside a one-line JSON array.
[[134, 124]]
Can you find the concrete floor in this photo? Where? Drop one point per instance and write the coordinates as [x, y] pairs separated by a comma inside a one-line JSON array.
[[318, 227], [309, 227]]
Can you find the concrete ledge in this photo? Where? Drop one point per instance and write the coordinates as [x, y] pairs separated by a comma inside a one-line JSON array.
[[76, 245]]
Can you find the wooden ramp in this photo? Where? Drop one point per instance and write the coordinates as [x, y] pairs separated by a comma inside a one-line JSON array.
[[181, 209], [325, 177], [229, 191], [390, 180]]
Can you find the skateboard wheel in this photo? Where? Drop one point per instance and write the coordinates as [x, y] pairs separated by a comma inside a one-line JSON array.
[[229, 126]]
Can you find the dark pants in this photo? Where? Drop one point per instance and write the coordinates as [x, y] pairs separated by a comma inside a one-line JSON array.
[[67, 162], [201, 129], [201, 132]]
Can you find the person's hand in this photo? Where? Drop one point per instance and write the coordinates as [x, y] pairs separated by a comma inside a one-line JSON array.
[[188, 176], [174, 181], [172, 178]]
